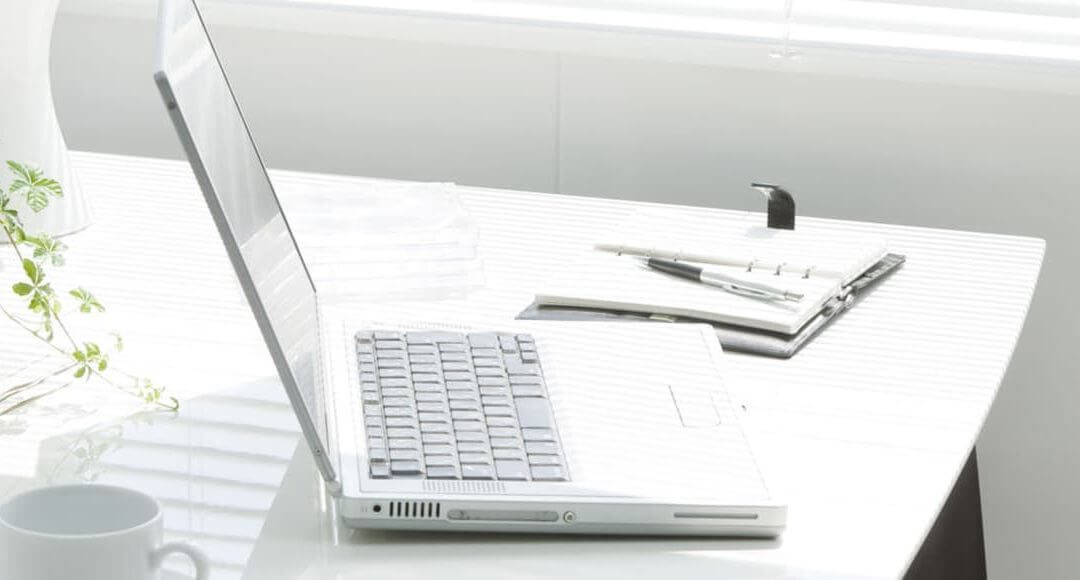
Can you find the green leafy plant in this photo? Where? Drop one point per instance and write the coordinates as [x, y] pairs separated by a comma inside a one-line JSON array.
[[44, 316]]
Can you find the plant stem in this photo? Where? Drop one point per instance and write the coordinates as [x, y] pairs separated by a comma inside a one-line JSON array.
[[33, 383], [25, 402], [31, 331]]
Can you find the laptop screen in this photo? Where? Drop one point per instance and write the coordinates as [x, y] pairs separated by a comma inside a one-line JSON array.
[[245, 208]]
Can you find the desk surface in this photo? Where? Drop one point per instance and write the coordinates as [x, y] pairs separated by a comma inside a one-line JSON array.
[[864, 431]]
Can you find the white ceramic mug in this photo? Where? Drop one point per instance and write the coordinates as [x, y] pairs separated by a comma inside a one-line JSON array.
[[86, 531]]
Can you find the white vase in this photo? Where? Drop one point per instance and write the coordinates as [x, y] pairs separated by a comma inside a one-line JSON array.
[[29, 132]]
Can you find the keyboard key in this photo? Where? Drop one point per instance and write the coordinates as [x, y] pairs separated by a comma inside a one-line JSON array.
[[423, 359], [402, 443], [430, 396], [541, 448], [548, 473], [481, 363], [451, 347], [370, 397], [534, 412], [386, 335], [426, 378], [427, 416], [380, 471], [508, 344], [395, 382], [524, 379], [458, 376], [428, 388], [439, 427], [512, 470], [425, 368], [464, 436], [421, 349], [402, 432], [401, 454], [505, 443], [468, 426], [396, 392], [483, 339], [508, 453], [454, 357], [474, 458], [494, 391], [498, 410], [464, 405], [515, 367], [397, 401], [436, 438], [458, 395], [501, 422], [477, 472], [527, 390], [460, 385], [472, 447], [390, 363], [418, 338], [533, 434], [389, 373], [378, 455], [440, 472], [529, 356], [439, 449], [431, 407], [454, 366], [544, 460], [405, 468], [398, 412], [485, 353], [466, 415], [440, 460], [400, 421], [492, 381], [502, 432]]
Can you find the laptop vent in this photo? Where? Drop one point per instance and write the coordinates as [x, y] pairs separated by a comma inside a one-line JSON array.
[[417, 510], [442, 486]]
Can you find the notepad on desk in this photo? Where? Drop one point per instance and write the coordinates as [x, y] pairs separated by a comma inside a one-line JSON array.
[[814, 261]]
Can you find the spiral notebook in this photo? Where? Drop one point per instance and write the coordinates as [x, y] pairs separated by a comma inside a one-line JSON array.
[[814, 261]]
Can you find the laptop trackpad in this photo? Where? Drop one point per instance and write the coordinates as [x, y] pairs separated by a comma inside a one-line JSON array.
[[695, 406]]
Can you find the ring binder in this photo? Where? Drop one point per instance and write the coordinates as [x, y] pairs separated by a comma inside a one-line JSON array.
[[781, 206]]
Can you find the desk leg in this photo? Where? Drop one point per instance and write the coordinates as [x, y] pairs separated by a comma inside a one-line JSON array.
[[954, 548]]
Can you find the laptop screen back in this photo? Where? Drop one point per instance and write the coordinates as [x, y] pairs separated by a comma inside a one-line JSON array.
[[245, 207]]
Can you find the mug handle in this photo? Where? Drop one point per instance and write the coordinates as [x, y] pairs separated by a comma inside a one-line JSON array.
[[202, 564]]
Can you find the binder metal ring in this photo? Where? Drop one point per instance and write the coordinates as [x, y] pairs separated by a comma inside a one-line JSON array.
[[806, 274], [750, 265], [779, 267]]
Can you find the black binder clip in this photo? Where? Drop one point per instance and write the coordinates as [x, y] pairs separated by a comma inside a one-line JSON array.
[[781, 208]]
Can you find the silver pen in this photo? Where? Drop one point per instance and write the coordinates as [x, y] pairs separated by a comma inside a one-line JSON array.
[[732, 284]]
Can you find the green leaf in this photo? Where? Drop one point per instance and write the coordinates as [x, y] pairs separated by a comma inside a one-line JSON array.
[[32, 271], [80, 372], [79, 356], [102, 365], [32, 184], [22, 288]]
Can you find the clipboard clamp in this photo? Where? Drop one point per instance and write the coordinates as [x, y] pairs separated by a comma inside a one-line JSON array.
[[781, 206]]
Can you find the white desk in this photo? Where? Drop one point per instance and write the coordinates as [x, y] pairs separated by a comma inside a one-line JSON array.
[[865, 430]]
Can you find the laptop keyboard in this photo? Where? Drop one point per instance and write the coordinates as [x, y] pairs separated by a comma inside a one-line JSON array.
[[450, 405]]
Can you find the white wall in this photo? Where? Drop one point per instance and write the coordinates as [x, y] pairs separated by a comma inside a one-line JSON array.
[[986, 155]]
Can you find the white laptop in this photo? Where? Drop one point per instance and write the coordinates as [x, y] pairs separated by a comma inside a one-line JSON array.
[[610, 428]]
